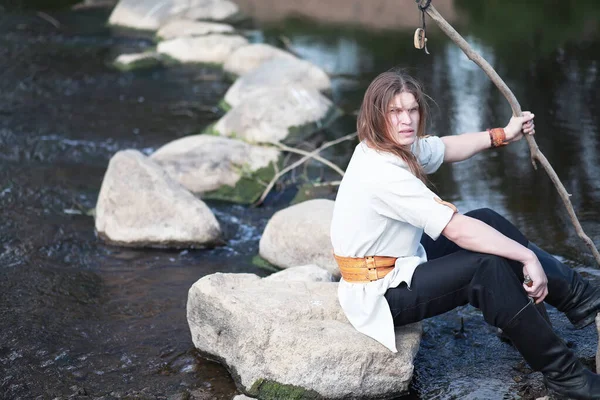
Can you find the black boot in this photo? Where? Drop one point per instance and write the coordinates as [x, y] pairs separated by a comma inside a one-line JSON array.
[[568, 291], [544, 351]]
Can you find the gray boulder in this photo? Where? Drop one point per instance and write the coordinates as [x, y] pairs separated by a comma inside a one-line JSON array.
[[299, 235], [290, 339], [152, 14], [277, 72], [246, 59], [210, 49], [218, 167], [139, 205], [183, 27], [274, 114]]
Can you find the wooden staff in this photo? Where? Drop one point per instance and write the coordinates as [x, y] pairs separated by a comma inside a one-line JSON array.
[[536, 154]]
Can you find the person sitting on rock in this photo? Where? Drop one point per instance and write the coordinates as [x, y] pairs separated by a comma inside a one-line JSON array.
[[406, 255]]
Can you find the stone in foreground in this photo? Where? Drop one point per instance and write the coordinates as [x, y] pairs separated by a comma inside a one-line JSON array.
[[290, 339], [209, 49], [217, 167], [139, 205], [246, 59], [277, 72], [299, 235], [277, 114], [152, 14], [182, 27]]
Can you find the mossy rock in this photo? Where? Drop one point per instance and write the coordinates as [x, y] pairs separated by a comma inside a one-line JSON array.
[[266, 389], [210, 130], [247, 190], [223, 105], [297, 134]]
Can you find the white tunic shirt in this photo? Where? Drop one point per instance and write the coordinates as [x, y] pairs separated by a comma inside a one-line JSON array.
[[382, 209]]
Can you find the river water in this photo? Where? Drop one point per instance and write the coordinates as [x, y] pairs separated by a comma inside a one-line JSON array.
[[78, 316]]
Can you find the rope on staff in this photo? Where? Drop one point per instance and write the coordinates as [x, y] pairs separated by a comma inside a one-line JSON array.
[[420, 39], [536, 154]]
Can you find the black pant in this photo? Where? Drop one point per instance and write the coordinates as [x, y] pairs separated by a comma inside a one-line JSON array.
[[453, 277]]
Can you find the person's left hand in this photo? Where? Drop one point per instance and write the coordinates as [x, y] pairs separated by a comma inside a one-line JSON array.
[[517, 126]]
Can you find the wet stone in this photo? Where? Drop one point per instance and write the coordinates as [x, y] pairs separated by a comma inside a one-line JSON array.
[[262, 328]]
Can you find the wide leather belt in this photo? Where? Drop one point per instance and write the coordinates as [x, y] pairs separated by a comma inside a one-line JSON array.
[[367, 269]]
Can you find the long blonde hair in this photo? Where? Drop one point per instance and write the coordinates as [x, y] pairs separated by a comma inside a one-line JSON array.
[[373, 124]]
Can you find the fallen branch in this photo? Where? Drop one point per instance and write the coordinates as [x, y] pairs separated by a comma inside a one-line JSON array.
[[536, 154], [314, 156], [300, 162], [49, 19]]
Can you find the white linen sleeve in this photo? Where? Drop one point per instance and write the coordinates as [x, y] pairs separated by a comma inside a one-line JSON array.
[[430, 153], [405, 198]]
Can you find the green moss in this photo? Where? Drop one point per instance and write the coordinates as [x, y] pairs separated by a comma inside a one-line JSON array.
[[223, 105], [247, 190], [270, 390], [264, 264], [210, 130]]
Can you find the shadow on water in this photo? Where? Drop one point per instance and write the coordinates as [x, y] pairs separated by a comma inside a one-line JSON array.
[[74, 312]]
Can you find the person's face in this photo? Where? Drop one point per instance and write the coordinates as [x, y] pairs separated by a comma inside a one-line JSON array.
[[403, 114]]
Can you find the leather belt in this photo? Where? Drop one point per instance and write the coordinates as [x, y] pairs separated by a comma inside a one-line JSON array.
[[367, 269]]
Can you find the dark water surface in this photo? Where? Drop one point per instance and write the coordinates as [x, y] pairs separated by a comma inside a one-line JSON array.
[[76, 312]]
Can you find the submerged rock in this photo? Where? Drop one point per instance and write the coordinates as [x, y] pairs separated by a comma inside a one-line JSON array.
[[184, 28], [127, 62], [218, 167], [277, 72], [139, 205], [299, 235], [152, 14], [276, 114], [246, 59], [210, 49], [290, 339]]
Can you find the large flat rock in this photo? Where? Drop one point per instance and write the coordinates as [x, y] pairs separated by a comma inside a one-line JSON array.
[[285, 339], [299, 235], [152, 14], [246, 59], [182, 27], [276, 114], [206, 163], [208, 49], [277, 72], [139, 205]]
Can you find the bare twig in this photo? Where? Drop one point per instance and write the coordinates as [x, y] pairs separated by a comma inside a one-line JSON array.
[[314, 156], [299, 162], [49, 19], [329, 183], [288, 45], [536, 154]]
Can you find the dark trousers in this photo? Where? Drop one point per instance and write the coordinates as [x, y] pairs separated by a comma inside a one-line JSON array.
[[454, 277]]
